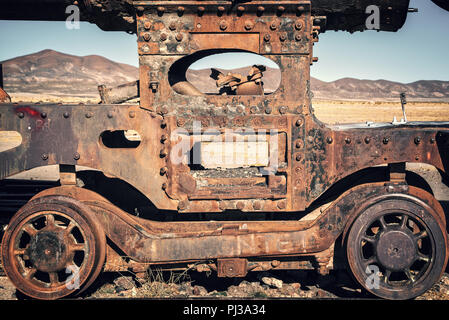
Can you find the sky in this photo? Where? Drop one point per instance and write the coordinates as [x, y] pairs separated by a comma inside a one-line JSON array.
[[419, 51]]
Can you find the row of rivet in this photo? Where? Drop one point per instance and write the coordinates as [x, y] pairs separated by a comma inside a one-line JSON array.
[[221, 10]]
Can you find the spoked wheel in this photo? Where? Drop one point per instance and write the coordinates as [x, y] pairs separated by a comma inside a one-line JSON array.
[[52, 248], [397, 249]]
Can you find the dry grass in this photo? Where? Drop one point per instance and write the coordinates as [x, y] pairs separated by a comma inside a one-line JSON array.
[[378, 111]]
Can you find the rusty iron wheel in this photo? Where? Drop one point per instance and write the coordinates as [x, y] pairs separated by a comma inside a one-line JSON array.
[[52, 248], [396, 249]]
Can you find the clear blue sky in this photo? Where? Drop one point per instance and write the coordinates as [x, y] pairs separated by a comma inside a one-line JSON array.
[[419, 51]]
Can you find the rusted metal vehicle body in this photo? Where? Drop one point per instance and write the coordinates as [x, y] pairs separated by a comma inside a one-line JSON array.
[[318, 197]]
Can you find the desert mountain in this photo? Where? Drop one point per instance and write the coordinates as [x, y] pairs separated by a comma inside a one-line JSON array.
[[52, 72]]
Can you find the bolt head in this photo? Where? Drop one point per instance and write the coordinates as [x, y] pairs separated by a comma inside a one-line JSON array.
[[66, 115], [44, 156], [76, 156]]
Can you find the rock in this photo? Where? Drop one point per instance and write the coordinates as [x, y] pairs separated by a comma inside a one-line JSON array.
[[124, 283], [199, 291], [186, 288], [272, 282]]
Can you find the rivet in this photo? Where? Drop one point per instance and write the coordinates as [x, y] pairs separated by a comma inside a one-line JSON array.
[[298, 25], [348, 140], [89, 115], [163, 153], [253, 109], [220, 10], [257, 205], [44, 115], [222, 205], [110, 115], [164, 138], [281, 10], [267, 37], [241, 9], [44, 156], [146, 36], [180, 122], [76, 156], [299, 122], [147, 25], [298, 37], [283, 109], [163, 124], [66, 115], [432, 140], [172, 26], [260, 10], [329, 140], [163, 171], [298, 144], [386, 140], [164, 186], [132, 114], [417, 140], [298, 157], [160, 10], [248, 25], [240, 205], [298, 170], [281, 205], [300, 9], [163, 37], [268, 110], [273, 26], [239, 109], [201, 10], [367, 140], [181, 10], [223, 25], [182, 205], [283, 37], [179, 37]]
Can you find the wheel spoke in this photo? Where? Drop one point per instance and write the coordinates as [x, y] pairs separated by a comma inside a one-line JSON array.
[[30, 274], [78, 247], [387, 276], [404, 221], [54, 280], [29, 228], [409, 275], [369, 239], [423, 257], [69, 228], [383, 223], [19, 252], [369, 261], [420, 235], [50, 220]]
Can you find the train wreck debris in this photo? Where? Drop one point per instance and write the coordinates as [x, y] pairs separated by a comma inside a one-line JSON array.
[[311, 176]]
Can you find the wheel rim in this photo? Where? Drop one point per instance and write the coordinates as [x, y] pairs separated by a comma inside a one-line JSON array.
[[51, 253], [396, 250]]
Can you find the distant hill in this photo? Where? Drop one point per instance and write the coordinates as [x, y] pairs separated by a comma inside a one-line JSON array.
[[52, 72]]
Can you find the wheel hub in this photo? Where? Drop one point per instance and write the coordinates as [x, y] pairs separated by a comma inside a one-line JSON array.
[[48, 251], [396, 250]]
